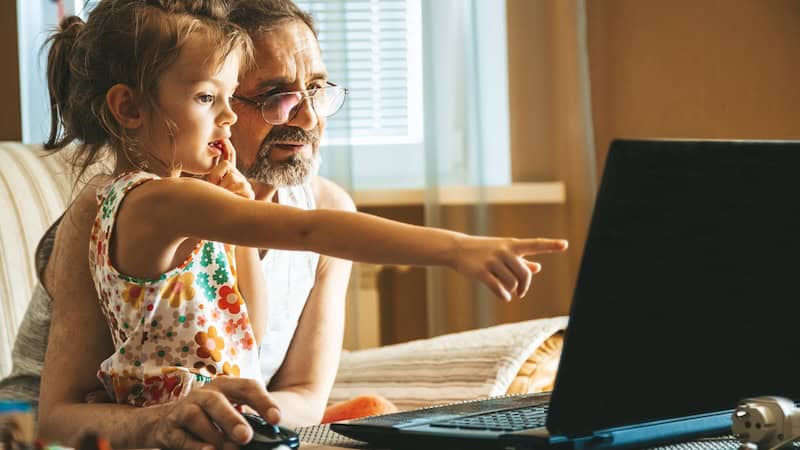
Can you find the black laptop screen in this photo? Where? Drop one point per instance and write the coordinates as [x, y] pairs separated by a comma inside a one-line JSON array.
[[687, 298]]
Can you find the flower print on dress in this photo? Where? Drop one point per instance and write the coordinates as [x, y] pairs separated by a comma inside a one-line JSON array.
[[231, 326], [208, 370], [161, 354], [133, 295], [113, 326], [184, 348], [169, 333], [95, 255], [156, 323], [131, 352], [229, 299], [205, 287], [211, 344], [247, 341], [221, 274], [179, 288], [158, 319], [108, 205], [207, 254], [230, 369], [100, 249], [185, 320], [172, 381]]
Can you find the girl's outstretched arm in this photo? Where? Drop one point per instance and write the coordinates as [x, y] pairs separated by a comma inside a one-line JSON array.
[[177, 208]]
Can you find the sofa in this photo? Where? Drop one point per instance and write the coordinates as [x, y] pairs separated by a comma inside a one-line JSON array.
[[512, 358]]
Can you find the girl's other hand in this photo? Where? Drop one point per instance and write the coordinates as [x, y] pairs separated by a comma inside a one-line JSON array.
[[500, 264], [227, 176]]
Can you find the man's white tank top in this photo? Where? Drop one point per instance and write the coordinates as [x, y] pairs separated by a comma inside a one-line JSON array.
[[290, 276]]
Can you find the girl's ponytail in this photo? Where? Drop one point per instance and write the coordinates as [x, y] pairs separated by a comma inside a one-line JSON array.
[[59, 72], [129, 42]]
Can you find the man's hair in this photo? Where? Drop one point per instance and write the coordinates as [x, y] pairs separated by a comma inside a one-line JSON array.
[[258, 16], [131, 42]]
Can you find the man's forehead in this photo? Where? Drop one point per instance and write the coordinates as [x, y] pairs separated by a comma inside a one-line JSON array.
[[286, 53]]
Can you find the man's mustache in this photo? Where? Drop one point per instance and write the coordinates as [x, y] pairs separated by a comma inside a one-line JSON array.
[[283, 133]]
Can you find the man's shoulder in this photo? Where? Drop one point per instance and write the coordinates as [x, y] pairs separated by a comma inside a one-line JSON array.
[[329, 195], [82, 210]]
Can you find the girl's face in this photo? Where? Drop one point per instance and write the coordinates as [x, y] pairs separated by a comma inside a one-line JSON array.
[[194, 94]]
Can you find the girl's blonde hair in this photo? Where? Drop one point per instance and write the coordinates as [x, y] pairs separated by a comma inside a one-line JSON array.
[[130, 42]]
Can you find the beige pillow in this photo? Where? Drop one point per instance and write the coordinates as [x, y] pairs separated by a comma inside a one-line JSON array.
[[454, 367]]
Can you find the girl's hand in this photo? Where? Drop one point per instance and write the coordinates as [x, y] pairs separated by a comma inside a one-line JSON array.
[[227, 176], [499, 262]]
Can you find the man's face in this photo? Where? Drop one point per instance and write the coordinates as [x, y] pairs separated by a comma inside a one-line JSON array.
[[287, 59]]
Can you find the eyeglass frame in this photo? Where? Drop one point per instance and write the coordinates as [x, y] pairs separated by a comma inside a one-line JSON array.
[[306, 95]]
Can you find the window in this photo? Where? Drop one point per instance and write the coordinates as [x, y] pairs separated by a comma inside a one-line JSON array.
[[422, 75], [365, 45], [374, 49], [83, 7]]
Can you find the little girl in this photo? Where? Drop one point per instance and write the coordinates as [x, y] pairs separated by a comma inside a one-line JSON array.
[[172, 256]]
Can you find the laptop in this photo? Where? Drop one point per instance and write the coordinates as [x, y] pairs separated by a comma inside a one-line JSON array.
[[686, 301]]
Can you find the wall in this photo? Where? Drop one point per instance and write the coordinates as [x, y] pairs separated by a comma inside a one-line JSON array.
[[10, 124], [689, 68], [682, 68], [543, 101]]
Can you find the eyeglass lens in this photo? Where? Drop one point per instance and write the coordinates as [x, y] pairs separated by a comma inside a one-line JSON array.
[[281, 108]]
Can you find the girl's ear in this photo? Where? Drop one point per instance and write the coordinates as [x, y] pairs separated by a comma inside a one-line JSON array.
[[123, 105]]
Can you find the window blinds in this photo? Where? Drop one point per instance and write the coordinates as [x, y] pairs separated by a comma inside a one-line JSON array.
[[365, 47]]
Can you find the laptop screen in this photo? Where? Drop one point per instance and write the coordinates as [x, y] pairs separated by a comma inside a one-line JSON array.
[[687, 297]]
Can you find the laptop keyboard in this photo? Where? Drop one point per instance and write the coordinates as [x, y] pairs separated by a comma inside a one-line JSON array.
[[510, 420], [500, 413]]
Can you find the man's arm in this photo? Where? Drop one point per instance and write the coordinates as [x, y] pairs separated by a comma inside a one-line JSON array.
[[79, 339], [302, 385]]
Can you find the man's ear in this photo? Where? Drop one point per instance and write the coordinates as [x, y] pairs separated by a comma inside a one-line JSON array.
[[123, 105]]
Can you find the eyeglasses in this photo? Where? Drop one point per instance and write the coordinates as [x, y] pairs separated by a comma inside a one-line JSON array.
[[280, 108]]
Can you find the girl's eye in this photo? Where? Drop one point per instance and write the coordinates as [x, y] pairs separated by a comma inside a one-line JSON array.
[[205, 98]]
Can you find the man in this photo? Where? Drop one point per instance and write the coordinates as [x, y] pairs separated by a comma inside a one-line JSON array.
[[304, 335], [283, 107]]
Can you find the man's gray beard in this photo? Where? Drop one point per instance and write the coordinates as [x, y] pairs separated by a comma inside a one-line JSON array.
[[294, 171]]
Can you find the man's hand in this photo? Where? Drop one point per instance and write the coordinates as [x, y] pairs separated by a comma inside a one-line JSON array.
[[499, 262], [206, 418], [227, 176]]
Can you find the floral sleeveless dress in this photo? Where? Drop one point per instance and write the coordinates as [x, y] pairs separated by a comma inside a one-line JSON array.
[[173, 333]]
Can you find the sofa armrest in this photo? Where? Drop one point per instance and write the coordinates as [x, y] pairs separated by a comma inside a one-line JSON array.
[[505, 359], [34, 191], [35, 188]]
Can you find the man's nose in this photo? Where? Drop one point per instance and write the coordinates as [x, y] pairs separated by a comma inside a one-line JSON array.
[[306, 117]]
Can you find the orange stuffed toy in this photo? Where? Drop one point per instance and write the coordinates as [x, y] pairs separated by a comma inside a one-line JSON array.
[[361, 406]]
